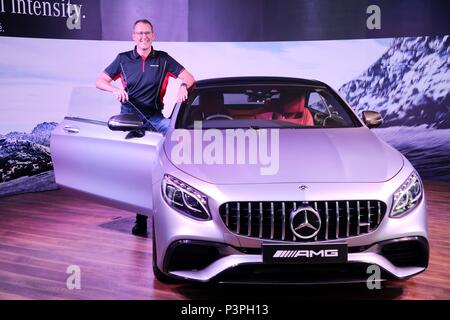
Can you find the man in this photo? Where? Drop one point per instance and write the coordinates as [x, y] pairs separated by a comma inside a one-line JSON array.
[[144, 73]]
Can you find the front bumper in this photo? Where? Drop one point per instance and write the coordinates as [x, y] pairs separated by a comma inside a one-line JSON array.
[[397, 259], [236, 255]]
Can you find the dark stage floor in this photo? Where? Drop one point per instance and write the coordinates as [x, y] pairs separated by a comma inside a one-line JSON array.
[[42, 234]]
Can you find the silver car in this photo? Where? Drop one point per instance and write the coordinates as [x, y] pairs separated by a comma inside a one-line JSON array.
[[259, 179]]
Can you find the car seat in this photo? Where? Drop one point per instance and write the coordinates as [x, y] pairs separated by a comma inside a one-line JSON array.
[[293, 110], [254, 113]]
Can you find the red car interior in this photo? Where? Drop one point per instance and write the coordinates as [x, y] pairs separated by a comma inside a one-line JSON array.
[[293, 110]]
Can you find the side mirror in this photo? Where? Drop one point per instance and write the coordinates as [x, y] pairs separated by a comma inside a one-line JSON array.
[[125, 122], [372, 119]]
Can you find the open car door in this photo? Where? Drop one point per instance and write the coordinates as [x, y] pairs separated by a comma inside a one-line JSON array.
[[108, 165]]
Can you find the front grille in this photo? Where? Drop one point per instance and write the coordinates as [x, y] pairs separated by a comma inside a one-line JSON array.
[[271, 220]]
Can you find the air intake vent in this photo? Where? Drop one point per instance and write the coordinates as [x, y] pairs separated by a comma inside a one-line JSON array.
[[407, 253]]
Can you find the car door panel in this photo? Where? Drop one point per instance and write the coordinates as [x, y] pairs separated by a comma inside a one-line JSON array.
[[90, 158]]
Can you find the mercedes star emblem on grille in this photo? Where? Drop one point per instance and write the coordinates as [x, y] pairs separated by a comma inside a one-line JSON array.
[[303, 187], [305, 222]]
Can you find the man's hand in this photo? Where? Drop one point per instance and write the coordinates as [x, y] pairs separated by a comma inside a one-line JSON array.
[[188, 81], [104, 83], [182, 93], [121, 94]]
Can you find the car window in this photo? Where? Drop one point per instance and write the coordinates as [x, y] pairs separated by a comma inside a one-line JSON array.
[[92, 104], [264, 106]]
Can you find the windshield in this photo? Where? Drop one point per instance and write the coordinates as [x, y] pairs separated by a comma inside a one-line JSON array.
[[265, 106]]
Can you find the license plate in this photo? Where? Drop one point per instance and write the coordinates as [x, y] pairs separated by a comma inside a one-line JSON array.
[[300, 254]]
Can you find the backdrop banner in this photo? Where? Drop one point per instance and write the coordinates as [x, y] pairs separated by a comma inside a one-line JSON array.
[[390, 56], [230, 20], [60, 19]]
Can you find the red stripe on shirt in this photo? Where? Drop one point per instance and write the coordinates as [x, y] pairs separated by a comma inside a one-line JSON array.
[[165, 82], [124, 83], [143, 63], [122, 78]]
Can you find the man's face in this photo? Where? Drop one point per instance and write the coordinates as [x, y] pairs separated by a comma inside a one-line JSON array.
[[143, 36]]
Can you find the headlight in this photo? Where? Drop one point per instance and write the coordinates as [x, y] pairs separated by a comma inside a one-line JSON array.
[[407, 196], [185, 198]]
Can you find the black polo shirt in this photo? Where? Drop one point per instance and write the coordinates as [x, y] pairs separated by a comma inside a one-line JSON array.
[[145, 80]]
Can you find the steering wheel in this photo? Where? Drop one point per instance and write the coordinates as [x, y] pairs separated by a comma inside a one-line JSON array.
[[319, 118], [326, 121], [218, 116]]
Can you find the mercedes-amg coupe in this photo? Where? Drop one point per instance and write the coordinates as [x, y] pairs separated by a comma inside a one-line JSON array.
[[258, 179]]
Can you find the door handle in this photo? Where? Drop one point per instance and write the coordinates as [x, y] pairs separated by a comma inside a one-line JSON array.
[[70, 129]]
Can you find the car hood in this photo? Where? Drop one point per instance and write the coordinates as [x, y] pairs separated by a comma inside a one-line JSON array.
[[342, 155]]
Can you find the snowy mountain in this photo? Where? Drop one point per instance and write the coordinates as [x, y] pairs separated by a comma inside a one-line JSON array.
[[40, 134], [409, 85], [22, 158], [25, 154]]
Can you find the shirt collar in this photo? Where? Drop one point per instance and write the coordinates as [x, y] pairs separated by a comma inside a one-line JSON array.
[[136, 55]]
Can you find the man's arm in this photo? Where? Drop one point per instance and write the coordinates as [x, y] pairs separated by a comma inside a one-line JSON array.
[[104, 83], [188, 82]]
